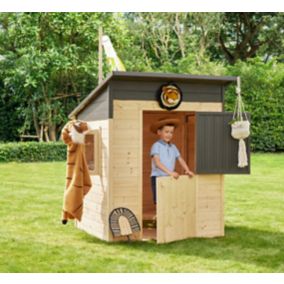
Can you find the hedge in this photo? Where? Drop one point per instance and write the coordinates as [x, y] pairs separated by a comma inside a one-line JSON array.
[[32, 151], [263, 95]]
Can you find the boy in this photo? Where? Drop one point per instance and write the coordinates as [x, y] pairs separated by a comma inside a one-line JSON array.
[[164, 153]]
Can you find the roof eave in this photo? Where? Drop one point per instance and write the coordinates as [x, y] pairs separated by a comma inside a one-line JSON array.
[[225, 80], [174, 76]]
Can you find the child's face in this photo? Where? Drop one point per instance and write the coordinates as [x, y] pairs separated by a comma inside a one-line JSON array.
[[166, 133]]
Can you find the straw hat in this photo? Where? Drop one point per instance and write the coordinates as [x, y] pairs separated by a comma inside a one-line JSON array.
[[164, 121]]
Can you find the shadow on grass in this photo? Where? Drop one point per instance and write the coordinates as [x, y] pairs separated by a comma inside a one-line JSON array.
[[242, 244]]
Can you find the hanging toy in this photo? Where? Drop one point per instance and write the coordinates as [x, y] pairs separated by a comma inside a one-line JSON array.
[[240, 127]]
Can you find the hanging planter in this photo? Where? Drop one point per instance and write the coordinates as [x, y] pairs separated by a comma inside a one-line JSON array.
[[240, 127]]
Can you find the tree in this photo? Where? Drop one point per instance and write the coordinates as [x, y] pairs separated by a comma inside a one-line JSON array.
[[50, 64], [243, 35], [166, 38]]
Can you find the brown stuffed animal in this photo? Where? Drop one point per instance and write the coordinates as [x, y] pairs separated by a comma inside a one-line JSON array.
[[78, 181]]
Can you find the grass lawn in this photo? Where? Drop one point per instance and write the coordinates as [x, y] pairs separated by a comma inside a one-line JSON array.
[[32, 238]]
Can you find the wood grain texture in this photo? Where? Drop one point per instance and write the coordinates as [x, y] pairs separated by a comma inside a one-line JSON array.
[[176, 208]]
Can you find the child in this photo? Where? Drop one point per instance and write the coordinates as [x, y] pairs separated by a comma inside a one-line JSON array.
[[164, 153]]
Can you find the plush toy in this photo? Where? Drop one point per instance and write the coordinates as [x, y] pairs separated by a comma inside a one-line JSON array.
[[170, 95], [78, 181]]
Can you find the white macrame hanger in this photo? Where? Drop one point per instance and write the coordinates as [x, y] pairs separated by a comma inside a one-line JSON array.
[[240, 128], [239, 105]]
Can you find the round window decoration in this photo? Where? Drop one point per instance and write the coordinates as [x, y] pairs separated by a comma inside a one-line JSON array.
[[169, 96]]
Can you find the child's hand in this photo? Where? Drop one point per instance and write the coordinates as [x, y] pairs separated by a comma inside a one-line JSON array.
[[175, 175], [190, 173]]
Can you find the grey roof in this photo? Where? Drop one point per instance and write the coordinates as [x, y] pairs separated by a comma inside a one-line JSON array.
[[151, 76]]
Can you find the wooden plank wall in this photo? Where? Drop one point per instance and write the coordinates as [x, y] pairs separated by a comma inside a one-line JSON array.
[[95, 209], [126, 151], [210, 206]]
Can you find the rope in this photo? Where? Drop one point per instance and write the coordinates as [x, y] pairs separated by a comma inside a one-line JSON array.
[[239, 110], [243, 160]]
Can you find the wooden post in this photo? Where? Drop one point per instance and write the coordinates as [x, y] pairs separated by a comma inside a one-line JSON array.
[[100, 75]]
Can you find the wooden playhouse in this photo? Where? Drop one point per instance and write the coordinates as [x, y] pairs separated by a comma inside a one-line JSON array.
[[120, 111]]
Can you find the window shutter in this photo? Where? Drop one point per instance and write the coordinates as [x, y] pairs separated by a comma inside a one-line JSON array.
[[216, 149]]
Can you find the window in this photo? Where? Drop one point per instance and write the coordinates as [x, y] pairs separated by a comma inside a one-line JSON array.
[[93, 151]]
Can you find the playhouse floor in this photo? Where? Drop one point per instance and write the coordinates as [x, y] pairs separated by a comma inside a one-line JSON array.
[[149, 225], [149, 234]]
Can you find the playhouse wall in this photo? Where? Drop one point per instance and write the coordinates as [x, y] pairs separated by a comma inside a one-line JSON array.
[[126, 154], [210, 206], [95, 208]]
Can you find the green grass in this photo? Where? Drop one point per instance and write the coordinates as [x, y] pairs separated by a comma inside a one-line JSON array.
[[32, 239]]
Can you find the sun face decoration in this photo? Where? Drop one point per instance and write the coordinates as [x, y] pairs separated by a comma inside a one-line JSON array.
[[169, 96]]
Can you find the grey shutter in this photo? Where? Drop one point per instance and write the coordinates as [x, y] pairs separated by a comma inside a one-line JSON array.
[[216, 149]]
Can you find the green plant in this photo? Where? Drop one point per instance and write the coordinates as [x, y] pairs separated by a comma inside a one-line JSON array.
[[32, 151]]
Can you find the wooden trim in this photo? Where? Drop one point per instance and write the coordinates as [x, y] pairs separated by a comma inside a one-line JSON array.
[[110, 188], [222, 221], [141, 139]]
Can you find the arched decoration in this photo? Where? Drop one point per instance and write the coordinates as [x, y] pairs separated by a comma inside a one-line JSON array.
[[118, 222]]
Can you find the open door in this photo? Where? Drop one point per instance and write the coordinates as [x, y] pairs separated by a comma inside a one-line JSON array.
[[176, 201], [149, 209], [180, 139], [216, 151]]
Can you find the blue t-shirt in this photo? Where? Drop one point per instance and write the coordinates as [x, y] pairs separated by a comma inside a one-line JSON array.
[[168, 153]]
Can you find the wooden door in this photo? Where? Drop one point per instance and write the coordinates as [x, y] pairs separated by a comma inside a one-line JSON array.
[[176, 208], [148, 139], [216, 150]]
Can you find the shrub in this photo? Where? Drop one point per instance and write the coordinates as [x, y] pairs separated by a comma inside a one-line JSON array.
[[32, 151]]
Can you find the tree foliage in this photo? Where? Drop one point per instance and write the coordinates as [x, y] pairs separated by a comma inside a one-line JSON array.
[[245, 35], [49, 62]]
